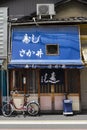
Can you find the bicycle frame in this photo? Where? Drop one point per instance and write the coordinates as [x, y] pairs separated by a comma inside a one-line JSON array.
[[23, 108], [22, 105]]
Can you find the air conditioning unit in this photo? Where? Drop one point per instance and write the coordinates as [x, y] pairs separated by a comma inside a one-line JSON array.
[[45, 9]]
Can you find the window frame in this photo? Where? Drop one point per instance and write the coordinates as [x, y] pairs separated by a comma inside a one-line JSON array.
[[57, 51]]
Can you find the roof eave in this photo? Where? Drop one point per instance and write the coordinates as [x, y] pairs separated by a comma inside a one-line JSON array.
[[45, 22]]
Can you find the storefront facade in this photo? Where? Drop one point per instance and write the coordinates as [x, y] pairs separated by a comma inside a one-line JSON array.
[[32, 70], [46, 63]]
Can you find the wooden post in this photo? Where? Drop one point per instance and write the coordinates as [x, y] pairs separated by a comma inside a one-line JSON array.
[[38, 78], [66, 81], [52, 96]]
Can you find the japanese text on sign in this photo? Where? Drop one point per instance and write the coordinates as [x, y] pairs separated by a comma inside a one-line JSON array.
[[29, 53], [27, 39]]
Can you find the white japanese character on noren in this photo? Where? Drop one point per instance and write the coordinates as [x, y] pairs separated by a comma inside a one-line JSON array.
[[26, 39], [22, 52], [35, 40], [45, 78], [28, 53], [39, 53], [53, 78], [32, 38]]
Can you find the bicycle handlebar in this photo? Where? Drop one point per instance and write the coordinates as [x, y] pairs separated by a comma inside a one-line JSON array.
[[26, 95]]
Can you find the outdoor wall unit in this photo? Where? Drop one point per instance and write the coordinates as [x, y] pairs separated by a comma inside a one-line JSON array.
[[45, 9]]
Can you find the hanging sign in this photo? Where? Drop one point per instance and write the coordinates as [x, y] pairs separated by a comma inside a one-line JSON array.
[[52, 76]]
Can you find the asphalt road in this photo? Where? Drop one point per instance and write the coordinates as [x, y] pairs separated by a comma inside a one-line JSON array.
[[42, 129], [58, 117], [44, 121], [53, 124]]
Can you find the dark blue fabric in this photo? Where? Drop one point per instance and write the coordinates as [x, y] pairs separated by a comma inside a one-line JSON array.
[[11, 66], [29, 45]]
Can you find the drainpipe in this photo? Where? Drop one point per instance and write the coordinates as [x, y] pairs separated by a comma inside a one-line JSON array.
[[2, 84], [8, 57], [7, 86]]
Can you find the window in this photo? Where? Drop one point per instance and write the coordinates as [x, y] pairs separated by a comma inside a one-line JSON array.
[[32, 81], [26, 81], [52, 49]]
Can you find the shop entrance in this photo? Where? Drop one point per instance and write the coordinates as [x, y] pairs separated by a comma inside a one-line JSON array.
[[52, 89], [47, 86]]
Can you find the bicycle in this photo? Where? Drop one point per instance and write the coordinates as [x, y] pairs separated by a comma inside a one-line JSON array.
[[31, 107]]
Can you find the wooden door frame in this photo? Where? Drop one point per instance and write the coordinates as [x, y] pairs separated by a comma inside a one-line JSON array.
[[51, 95]]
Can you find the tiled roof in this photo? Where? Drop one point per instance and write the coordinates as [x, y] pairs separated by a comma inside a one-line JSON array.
[[73, 20]]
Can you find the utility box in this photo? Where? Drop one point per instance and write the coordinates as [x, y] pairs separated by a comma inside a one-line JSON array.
[[45, 9], [67, 107]]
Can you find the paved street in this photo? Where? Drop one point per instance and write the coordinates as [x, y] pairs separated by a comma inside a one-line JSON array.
[[79, 116], [44, 121], [51, 124]]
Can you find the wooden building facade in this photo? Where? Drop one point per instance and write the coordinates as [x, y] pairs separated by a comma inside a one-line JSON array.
[[50, 70]]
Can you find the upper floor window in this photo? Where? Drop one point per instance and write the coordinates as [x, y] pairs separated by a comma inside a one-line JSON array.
[[52, 49]]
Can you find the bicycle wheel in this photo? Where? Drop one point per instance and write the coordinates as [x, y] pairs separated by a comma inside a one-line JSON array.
[[33, 108], [7, 110]]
